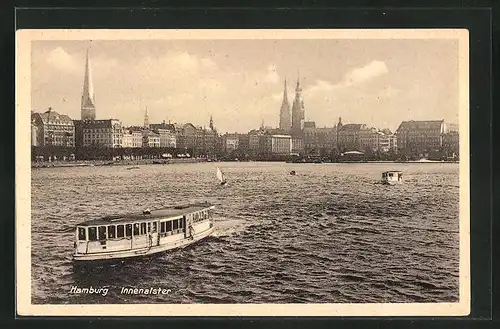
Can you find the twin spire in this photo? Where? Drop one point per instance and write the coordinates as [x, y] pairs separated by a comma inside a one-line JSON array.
[[292, 122]]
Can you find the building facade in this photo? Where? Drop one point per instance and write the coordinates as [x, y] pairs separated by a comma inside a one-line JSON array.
[[281, 144], [348, 137], [451, 144], [127, 140], [150, 139], [202, 142], [319, 141], [298, 145], [231, 142], [100, 133], [167, 138], [420, 137], [53, 129]]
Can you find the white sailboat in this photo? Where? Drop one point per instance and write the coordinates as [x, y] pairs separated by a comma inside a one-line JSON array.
[[220, 177]]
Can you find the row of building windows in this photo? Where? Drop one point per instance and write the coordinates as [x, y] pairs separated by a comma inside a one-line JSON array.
[[101, 233]]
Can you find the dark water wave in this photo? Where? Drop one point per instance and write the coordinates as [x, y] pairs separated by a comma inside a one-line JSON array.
[[328, 234]]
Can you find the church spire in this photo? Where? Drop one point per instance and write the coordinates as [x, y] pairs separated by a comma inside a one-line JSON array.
[[285, 120], [146, 119], [88, 97], [298, 112], [211, 123]]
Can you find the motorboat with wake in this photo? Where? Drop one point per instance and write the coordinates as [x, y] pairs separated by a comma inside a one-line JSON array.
[[140, 234]]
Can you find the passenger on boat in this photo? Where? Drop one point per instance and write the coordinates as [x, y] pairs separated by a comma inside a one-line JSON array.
[[191, 231]]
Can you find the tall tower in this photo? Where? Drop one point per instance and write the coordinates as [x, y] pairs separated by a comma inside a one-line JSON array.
[[298, 114], [88, 97], [211, 123], [285, 120], [146, 119]]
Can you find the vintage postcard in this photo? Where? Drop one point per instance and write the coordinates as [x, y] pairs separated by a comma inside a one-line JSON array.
[[242, 172]]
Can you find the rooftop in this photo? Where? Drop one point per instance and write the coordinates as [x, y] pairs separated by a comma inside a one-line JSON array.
[[420, 125], [53, 117], [140, 217]]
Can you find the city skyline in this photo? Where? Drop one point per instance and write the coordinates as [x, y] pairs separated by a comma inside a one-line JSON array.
[[198, 76]]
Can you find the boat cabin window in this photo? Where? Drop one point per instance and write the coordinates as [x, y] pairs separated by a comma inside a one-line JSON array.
[[390, 174], [102, 232], [92, 233], [112, 231], [143, 228], [384, 175], [169, 226], [175, 224], [136, 229], [149, 227], [120, 231], [154, 227], [162, 227], [128, 230], [81, 234], [180, 223]]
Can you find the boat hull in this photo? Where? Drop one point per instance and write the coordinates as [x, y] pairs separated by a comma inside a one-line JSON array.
[[79, 258], [391, 182]]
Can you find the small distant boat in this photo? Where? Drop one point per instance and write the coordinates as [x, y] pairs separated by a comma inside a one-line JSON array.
[[392, 177], [135, 167], [136, 235], [292, 172], [220, 177]]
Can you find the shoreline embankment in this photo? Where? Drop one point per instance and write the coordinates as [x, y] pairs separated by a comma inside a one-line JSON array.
[[98, 163]]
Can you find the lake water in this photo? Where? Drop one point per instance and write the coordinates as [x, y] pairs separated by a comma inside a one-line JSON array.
[[330, 234]]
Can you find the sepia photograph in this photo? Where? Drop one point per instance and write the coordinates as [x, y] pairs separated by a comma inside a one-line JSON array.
[[242, 172]]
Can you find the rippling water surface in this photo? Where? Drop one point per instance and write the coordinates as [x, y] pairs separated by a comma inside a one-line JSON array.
[[330, 234]]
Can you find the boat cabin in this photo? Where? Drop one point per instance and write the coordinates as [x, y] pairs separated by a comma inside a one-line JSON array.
[[157, 229], [392, 177]]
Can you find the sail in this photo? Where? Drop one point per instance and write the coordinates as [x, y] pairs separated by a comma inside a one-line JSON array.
[[220, 175]]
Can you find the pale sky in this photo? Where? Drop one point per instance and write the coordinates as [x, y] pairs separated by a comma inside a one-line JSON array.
[[240, 82]]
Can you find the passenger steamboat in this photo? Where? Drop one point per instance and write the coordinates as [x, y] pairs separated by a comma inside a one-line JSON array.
[[134, 235]]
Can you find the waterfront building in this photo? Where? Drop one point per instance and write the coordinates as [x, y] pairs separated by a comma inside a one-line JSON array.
[[199, 140], [276, 145], [132, 137], [387, 141], [451, 144], [281, 144], [53, 129], [167, 138], [420, 137], [102, 133], [285, 120], [34, 133], [150, 139], [319, 141], [88, 96], [244, 143], [368, 138], [348, 136], [298, 145], [253, 139], [127, 140], [231, 142]]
